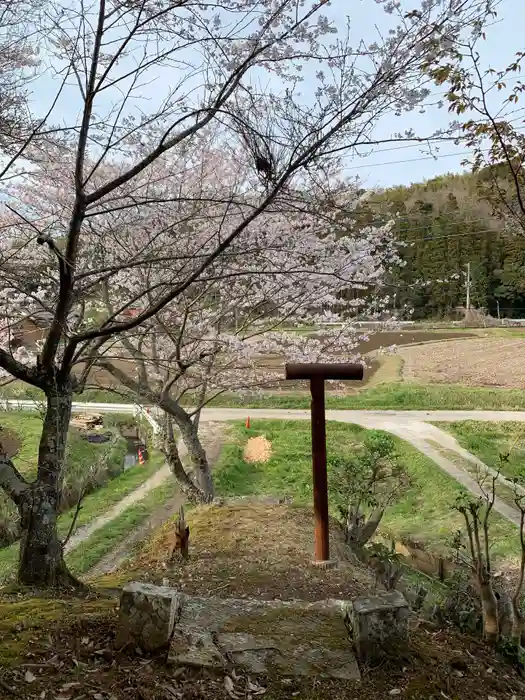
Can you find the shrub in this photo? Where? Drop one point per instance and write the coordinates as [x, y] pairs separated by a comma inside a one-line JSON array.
[[365, 484]]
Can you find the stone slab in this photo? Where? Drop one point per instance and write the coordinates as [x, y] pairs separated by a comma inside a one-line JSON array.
[[291, 638], [382, 601], [196, 649]]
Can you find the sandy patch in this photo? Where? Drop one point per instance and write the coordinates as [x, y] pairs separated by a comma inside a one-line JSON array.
[[257, 449]]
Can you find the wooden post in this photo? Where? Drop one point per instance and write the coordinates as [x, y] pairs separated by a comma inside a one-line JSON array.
[[319, 474], [317, 373]]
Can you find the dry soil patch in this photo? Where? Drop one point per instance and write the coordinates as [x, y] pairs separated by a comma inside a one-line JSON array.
[[490, 362]]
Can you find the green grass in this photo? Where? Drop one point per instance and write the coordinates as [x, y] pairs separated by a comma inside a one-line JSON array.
[[115, 490], [385, 392], [488, 440], [91, 551], [424, 513], [93, 505], [27, 426], [395, 396]]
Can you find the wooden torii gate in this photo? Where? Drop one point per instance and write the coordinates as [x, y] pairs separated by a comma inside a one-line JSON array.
[[317, 373]]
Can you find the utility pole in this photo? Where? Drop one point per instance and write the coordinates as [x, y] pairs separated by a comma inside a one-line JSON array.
[[468, 286]]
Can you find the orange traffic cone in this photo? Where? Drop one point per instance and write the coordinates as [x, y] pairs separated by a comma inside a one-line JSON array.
[[141, 457], [248, 422]]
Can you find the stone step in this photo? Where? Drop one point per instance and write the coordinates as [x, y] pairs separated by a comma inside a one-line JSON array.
[[261, 637], [288, 638]]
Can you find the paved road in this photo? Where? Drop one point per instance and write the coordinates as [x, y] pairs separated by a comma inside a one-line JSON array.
[[346, 416]]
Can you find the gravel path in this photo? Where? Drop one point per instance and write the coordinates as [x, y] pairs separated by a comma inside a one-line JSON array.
[[425, 437]]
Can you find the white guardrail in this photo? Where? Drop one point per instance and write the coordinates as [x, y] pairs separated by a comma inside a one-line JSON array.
[[79, 407]]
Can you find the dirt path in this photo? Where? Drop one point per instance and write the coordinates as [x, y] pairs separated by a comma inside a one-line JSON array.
[[83, 533], [212, 440]]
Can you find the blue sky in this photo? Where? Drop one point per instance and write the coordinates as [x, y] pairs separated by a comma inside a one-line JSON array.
[[390, 164], [382, 168]]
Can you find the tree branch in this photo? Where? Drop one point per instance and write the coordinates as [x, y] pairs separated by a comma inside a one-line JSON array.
[[11, 480]]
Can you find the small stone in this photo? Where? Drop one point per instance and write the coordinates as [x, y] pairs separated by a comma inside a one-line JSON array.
[[29, 677], [395, 691], [380, 625], [147, 616]]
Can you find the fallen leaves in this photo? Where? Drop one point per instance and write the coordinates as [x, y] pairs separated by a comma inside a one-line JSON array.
[[245, 688]]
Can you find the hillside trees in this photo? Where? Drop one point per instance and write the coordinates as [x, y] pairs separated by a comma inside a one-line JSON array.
[[437, 243], [486, 101], [89, 172]]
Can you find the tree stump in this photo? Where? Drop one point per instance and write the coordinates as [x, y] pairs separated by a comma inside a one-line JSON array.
[[180, 539], [380, 625], [147, 617]]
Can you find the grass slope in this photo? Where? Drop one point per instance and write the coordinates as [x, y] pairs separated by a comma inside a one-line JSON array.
[[27, 426], [425, 513], [107, 538], [385, 391], [490, 440], [93, 505], [396, 395]]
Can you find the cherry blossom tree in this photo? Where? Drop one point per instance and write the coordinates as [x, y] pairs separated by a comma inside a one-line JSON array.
[[18, 56], [143, 86], [293, 265]]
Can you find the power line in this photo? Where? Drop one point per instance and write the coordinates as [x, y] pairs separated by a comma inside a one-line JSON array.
[[458, 235], [414, 160], [462, 222], [437, 139]]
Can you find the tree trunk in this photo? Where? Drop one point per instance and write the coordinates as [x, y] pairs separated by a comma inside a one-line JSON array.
[[517, 621], [174, 461], [41, 561], [189, 432], [489, 606], [197, 454], [359, 530]]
